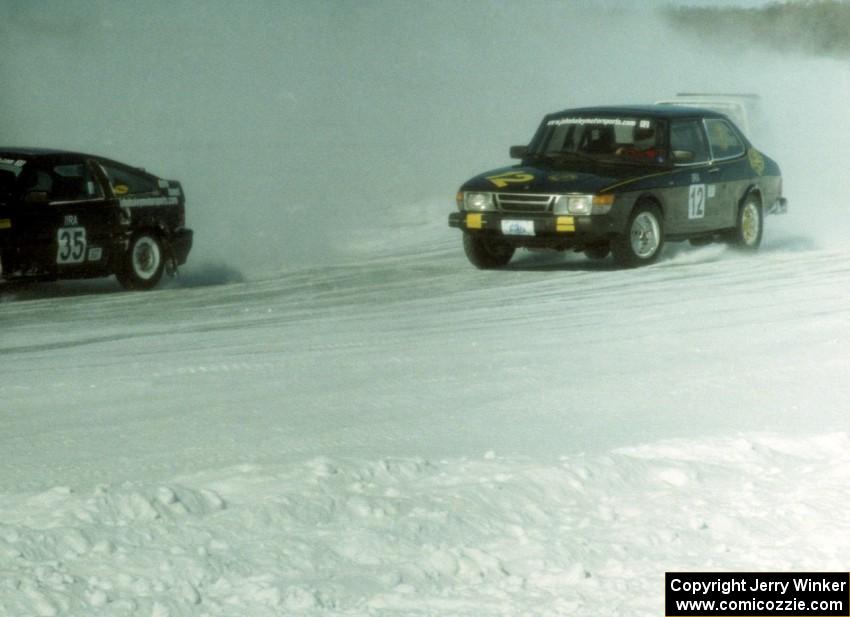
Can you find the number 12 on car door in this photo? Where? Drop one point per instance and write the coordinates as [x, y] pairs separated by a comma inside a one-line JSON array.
[[696, 201]]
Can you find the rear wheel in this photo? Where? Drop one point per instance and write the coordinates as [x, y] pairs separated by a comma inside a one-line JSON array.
[[644, 237], [486, 253], [750, 226], [143, 263]]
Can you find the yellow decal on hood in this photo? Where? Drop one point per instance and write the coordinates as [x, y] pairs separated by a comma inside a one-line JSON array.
[[511, 177], [756, 161]]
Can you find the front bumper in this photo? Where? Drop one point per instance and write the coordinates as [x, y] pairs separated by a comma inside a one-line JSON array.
[[549, 230], [181, 244]]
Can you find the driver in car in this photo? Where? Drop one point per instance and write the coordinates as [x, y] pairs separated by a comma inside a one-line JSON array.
[[643, 146]]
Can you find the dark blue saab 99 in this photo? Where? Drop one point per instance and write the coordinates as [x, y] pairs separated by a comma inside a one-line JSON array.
[[621, 180]]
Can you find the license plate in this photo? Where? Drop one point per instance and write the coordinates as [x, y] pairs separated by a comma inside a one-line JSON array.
[[517, 228]]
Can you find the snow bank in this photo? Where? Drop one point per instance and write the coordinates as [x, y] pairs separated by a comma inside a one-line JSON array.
[[486, 536]]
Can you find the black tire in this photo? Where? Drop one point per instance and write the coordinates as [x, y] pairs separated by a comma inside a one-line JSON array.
[[486, 253], [749, 226], [644, 238], [143, 263], [597, 252]]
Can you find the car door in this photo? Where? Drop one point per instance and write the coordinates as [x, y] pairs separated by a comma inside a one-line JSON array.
[[9, 171], [89, 223], [69, 227], [31, 222], [729, 167], [691, 198]]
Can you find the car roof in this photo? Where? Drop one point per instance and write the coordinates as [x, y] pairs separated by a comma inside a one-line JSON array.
[[9, 151], [653, 111]]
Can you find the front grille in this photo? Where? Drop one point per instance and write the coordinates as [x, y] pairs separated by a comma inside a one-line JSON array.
[[523, 202]]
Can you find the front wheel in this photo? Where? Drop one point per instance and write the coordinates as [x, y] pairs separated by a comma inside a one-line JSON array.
[[643, 240], [143, 263], [486, 253], [750, 225]]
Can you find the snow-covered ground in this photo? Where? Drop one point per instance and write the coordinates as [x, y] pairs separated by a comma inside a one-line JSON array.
[[377, 428], [400, 434]]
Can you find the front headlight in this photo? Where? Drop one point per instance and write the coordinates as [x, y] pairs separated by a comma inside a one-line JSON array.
[[582, 205], [574, 204], [478, 202]]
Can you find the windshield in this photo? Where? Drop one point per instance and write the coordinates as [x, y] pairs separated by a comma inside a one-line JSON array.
[[615, 139]]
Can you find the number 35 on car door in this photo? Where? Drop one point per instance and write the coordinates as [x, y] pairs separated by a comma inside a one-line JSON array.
[[71, 245]]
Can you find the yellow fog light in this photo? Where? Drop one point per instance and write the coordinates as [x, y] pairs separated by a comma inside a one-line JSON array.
[[565, 223], [473, 221]]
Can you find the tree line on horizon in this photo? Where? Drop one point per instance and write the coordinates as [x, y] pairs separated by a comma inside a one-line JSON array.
[[819, 27]]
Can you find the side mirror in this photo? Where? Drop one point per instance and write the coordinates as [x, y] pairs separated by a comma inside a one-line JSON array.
[[518, 152], [683, 156], [36, 197]]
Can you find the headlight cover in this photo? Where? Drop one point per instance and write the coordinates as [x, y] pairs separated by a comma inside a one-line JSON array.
[[583, 205], [478, 202]]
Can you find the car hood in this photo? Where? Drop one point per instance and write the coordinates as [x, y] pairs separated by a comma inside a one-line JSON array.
[[534, 179]]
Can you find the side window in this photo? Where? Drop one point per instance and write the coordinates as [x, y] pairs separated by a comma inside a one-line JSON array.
[[73, 182], [725, 143], [129, 182], [34, 180], [686, 136]]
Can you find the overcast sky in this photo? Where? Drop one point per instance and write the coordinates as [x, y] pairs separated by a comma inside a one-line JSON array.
[[313, 116]]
